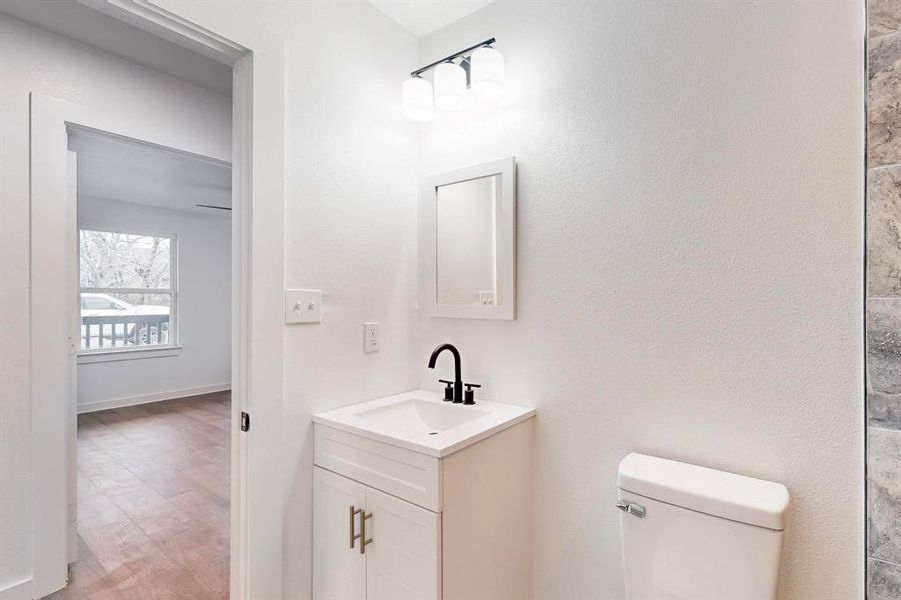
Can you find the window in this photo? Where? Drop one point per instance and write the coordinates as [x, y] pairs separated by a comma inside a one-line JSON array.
[[126, 289]]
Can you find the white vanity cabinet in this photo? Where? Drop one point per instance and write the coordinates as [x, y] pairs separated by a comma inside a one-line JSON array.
[[405, 563], [447, 521], [338, 571]]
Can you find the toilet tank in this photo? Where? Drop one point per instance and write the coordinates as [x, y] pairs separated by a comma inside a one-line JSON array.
[[693, 533]]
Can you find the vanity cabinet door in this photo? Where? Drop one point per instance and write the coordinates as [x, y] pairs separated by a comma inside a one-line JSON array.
[[339, 570], [404, 558]]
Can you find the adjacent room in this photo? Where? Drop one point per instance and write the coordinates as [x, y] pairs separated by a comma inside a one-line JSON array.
[[137, 243], [153, 397]]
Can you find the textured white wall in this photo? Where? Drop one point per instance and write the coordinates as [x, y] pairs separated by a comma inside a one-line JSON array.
[[689, 262], [32, 60], [350, 231], [690, 252], [350, 221], [204, 305]]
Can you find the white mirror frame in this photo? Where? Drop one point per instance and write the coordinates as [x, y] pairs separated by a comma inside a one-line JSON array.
[[505, 250]]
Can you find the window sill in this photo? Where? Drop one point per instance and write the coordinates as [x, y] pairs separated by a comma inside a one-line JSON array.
[[113, 355]]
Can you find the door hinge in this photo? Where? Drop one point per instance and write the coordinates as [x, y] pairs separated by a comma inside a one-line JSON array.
[[245, 421]]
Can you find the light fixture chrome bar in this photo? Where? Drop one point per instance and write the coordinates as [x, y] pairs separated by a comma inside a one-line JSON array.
[[422, 70]]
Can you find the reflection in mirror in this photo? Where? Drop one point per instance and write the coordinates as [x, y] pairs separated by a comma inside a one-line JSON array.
[[466, 242]]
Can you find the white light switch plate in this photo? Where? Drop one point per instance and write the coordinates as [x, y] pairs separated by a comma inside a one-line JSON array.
[[303, 306]]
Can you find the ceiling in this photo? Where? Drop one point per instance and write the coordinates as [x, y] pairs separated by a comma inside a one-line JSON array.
[[116, 168], [422, 17], [91, 27]]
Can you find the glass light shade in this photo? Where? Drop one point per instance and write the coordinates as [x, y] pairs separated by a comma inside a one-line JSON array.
[[487, 72], [450, 86], [418, 103]]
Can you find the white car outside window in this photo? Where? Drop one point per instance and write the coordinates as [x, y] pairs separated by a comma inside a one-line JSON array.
[[119, 333], [104, 305]]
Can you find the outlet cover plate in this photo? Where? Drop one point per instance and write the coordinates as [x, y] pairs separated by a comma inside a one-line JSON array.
[[371, 337]]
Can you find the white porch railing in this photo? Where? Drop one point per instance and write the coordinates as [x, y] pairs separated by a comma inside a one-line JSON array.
[[120, 331]]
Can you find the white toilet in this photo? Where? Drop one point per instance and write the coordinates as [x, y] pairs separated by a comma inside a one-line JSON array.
[[692, 533]]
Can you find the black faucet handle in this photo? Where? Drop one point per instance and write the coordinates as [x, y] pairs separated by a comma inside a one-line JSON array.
[[469, 396], [448, 390]]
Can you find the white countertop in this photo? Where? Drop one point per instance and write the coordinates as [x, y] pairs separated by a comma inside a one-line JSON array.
[[423, 422]]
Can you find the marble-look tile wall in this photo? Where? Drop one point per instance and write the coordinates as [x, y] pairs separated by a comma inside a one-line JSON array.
[[884, 301]]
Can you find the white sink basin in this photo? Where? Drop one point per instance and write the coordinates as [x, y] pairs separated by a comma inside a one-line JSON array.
[[423, 422], [419, 415]]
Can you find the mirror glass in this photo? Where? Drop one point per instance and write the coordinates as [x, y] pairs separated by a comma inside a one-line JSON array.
[[466, 225]]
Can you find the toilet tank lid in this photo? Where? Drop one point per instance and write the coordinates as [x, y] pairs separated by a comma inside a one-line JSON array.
[[718, 493]]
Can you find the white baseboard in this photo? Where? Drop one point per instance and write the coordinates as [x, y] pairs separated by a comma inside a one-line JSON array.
[[89, 407], [17, 591]]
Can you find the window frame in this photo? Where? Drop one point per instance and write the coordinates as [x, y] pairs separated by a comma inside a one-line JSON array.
[[91, 355]]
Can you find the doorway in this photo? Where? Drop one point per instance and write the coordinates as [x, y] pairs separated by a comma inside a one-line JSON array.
[[56, 336], [149, 499]]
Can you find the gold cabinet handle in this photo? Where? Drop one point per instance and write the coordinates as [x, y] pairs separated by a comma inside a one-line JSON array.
[[354, 511], [364, 541]]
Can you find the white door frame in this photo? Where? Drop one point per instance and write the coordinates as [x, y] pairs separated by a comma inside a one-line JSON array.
[[257, 329]]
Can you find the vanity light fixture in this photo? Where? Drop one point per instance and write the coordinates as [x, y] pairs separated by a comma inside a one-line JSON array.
[[487, 71], [479, 68], [450, 86], [418, 103]]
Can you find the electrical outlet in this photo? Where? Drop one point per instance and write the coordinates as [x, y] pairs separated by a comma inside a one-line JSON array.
[[371, 337], [487, 298]]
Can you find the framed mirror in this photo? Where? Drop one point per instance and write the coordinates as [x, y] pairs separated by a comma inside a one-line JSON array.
[[468, 242]]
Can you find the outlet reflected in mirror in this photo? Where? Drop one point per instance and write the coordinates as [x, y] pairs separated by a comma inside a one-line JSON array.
[[466, 258]]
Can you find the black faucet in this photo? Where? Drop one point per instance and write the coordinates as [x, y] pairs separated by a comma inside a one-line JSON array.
[[458, 380]]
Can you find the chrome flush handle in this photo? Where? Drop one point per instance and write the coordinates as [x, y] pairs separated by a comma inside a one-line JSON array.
[[631, 508]]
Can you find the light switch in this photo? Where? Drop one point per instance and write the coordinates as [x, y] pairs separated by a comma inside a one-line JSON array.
[[303, 306]]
